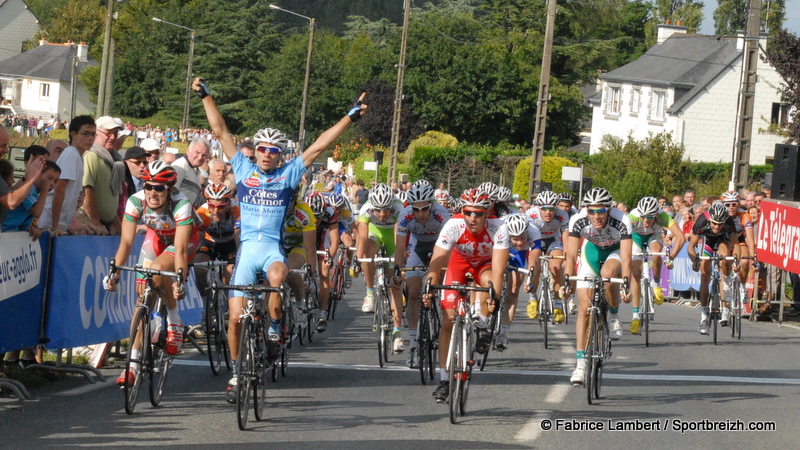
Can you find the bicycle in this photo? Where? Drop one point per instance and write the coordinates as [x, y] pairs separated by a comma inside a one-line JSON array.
[[545, 295], [216, 316], [496, 318], [305, 310], [714, 294], [382, 322], [338, 277], [736, 305], [646, 294], [460, 353], [256, 353], [153, 359], [427, 335], [598, 341]]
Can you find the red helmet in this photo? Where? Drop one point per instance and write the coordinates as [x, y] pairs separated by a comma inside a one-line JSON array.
[[476, 198], [160, 172], [217, 192]]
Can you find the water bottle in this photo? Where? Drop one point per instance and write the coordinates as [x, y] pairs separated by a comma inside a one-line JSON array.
[[156, 325]]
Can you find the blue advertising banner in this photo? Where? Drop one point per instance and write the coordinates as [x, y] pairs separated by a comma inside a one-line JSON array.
[[80, 311], [23, 267], [682, 277]]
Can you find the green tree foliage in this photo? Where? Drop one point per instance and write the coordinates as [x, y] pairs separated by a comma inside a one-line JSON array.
[[377, 125], [71, 20], [551, 173], [782, 54], [730, 16], [687, 12]]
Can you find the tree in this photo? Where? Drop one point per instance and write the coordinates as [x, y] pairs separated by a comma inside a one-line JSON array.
[[377, 125], [782, 54], [686, 12], [730, 16], [72, 20]]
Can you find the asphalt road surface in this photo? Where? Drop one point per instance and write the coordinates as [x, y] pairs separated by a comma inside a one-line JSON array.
[[679, 392]]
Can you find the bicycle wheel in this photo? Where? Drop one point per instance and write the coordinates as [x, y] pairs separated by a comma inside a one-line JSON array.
[[455, 366], [261, 366], [213, 325], [141, 327], [433, 343], [246, 369], [223, 319], [605, 343], [313, 305], [336, 291], [388, 326], [468, 349], [286, 339], [378, 325], [735, 308], [288, 319], [158, 374], [423, 344], [644, 311], [545, 307], [714, 312], [590, 353]]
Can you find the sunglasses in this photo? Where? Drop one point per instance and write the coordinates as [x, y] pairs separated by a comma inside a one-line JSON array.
[[421, 208], [548, 208], [648, 217], [156, 187], [382, 210], [139, 163], [597, 210], [730, 205], [271, 150], [217, 205], [714, 222], [473, 213]]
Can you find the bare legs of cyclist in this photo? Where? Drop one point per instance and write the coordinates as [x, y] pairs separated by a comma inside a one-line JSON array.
[[414, 290]]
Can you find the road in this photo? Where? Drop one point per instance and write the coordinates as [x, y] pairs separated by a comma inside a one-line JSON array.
[[335, 396]]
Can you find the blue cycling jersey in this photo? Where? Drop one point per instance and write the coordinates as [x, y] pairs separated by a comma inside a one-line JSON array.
[[264, 197]]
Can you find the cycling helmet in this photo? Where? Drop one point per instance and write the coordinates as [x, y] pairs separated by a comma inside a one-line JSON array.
[[455, 204], [160, 172], [647, 206], [420, 192], [337, 200], [730, 197], [271, 136], [218, 192], [402, 196], [381, 196], [597, 196], [566, 197], [517, 224], [316, 202], [491, 189], [547, 198], [476, 198], [504, 194], [421, 182], [718, 213]]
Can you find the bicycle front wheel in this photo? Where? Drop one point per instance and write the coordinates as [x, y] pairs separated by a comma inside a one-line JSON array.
[[140, 327], [261, 366], [468, 356], [455, 365], [213, 327], [644, 312], [158, 373], [423, 344], [715, 308], [591, 353], [246, 368], [545, 307]]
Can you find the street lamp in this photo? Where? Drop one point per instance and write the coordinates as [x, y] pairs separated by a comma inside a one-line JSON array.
[[192, 34], [311, 21]]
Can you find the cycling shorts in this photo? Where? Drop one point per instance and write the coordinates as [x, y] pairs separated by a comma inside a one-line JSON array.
[[551, 244], [153, 247], [592, 257], [383, 235], [418, 254], [214, 250], [457, 270], [253, 259], [518, 258], [640, 241]]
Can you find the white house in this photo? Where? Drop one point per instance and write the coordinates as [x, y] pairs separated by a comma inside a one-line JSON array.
[[688, 85], [44, 81]]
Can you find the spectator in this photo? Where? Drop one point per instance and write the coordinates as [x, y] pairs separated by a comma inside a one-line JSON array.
[[767, 190], [81, 224], [667, 208], [677, 202], [135, 163], [169, 157], [217, 171], [25, 216], [248, 149], [11, 199], [360, 195], [188, 168], [707, 201], [60, 207], [54, 149], [338, 186], [759, 197], [152, 148], [687, 221], [623, 207], [689, 197], [103, 176]]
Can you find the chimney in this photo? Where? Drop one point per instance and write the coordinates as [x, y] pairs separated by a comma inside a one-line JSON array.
[[83, 52], [667, 30]]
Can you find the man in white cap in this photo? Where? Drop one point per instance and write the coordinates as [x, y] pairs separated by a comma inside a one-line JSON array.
[[152, 148], [103, 176]]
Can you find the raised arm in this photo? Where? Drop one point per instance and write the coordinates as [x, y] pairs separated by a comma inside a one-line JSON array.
[[331, 134], [215, 120]]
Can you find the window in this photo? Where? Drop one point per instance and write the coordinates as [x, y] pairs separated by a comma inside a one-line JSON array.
[[780, 114], [636, 98], [45, 90], [657, 106], [613, 100]]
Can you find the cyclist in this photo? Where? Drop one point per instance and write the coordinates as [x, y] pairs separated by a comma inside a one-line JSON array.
[[347, 229], [525, 247], [325, 220], [719, 234], [552, 224], [493, 191], [747, 240], [606, 251], [504, 205], [649, 221], [299, 244], [566, 202], [376, 225], [170, 242], [471, 242], [220, 227], [265, 193], [416, 234]]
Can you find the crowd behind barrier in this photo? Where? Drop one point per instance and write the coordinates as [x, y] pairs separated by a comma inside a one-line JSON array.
[[67, 301]]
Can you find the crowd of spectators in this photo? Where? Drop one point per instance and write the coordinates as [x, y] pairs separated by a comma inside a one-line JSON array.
[[31, 126]]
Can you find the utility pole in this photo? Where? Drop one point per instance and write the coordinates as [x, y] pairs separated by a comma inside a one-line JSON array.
[[302, 131], [740, 175], [398, 98], [103, 88], [544, 97], [187, 95]]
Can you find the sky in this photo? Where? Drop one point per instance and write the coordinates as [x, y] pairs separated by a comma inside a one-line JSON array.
[[792, 22]]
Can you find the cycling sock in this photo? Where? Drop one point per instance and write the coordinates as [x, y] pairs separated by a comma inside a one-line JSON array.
[[483, 321], [412, 337], [370, 291], [613, 311], [233, 368], [396, 332], [504, 329], [442, 374], [635, 313], [657, 281], [323, 315], [558, 305], [579, 355], [274, 325], [174, 317], [704, 313], [135, 354]]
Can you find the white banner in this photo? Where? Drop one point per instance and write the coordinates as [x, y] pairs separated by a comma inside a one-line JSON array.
[[20, 263]]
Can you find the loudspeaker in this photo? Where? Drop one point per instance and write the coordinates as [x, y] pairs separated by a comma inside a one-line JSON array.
[[785, 173], [378, 157]]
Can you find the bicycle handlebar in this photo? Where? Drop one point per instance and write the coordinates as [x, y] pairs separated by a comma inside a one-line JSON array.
[[214, 263], [113, 268], [246, 287], [376, 260], [552, 257], [592, 279]]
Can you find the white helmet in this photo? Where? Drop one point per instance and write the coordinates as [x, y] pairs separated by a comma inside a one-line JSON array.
[[597, 196], [420, 192], [547, 198], [504, 194], [491, 190], [271, 136], [647, 206], [402, 196], [381, 196], [517, 224]]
